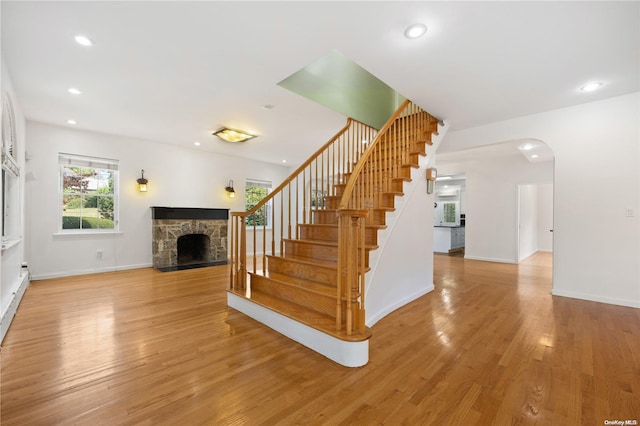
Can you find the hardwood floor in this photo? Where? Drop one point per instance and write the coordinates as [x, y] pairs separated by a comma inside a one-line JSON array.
[[489, 346]]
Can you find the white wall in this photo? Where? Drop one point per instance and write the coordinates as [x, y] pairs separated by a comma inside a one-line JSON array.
[[178, 177], [596, 178], [527, 221], [402, 266], [491, 231], [545, 217]]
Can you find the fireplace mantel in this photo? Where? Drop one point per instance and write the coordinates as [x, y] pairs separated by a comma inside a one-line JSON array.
[[188, 213]]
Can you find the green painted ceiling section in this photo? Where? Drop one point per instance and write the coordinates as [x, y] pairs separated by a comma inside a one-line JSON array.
[[337, 82]]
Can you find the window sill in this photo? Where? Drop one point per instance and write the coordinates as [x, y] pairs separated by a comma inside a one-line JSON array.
[[10, 242], [87, 234]]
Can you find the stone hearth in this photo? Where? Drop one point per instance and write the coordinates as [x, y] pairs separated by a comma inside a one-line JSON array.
[[171, 223]]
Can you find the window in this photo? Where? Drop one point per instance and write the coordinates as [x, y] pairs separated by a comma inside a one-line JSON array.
[[255, 191], [88, 193], [449, 212], [10, 173]]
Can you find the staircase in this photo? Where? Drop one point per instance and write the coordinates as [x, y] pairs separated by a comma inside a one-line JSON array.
[[305, 263]]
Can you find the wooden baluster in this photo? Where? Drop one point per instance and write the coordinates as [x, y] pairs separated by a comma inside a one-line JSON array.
[[289, 233], [233, 256], [360, 282], [304, 197], [297, 191], [242, 270], [322, 186], [254, 245]]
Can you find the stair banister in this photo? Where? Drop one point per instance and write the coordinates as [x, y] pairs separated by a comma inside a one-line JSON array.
[[364, 192], [324, 167]]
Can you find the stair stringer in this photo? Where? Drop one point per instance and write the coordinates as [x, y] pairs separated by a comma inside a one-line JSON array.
[[402, 266]]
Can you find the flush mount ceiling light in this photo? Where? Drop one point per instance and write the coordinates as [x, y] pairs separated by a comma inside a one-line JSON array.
[[590, 87], [233, 135], [415, 31], [83, 40]]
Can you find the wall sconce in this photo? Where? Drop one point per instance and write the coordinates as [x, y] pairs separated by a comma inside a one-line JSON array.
[[432, 175], [142, 183], [230, 190]]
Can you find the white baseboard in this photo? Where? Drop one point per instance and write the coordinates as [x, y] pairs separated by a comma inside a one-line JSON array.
[[349, 354], [546, 250], [71, 273], [373, 318], [16, 298], [596, 298], [490, 259]]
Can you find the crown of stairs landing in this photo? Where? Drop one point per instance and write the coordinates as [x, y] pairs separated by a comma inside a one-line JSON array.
[[299, 268]]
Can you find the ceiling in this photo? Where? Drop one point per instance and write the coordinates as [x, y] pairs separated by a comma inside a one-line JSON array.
[[531, 150], [174, 72]]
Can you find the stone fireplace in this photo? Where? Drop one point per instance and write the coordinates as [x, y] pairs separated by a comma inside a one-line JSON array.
[[188, 237]]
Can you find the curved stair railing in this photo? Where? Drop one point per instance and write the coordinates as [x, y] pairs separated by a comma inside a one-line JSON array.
[[372, 184], [308, 241], [263, 230]]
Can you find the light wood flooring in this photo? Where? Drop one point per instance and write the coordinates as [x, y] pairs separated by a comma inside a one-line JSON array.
[[489, 346]]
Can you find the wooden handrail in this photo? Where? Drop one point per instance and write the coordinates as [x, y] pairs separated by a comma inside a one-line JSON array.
[[297, 172], [343, 183], [369, 181], [348, 191], [275, 219]]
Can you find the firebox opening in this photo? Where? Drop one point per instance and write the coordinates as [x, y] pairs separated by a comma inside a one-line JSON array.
[[193, 249]]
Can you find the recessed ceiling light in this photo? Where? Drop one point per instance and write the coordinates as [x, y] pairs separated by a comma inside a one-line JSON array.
[[232, 135], [72, 122], [196, 143], [83, 40], [268, 106], [535, 156], [591, 87], [527, 147], [74, 91], [284, 161], [415, 31]]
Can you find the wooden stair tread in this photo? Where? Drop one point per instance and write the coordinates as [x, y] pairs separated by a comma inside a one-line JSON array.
[[308, 285], [385, 209], [306, 261], [315, 262], [335, 225], [313, 319], [323, 243]]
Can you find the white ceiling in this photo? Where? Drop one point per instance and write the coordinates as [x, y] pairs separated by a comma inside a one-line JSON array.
[[529, 150], [175, 71]]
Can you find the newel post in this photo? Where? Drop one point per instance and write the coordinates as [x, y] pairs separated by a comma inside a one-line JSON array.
[[350, 269]]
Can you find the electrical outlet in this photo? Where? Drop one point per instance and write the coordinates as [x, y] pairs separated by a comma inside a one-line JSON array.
[[629, 212], [99, 254]]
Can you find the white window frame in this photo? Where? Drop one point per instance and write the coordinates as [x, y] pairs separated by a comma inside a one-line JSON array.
[[10, 173], [72, 160], [269, 206]]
